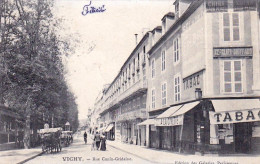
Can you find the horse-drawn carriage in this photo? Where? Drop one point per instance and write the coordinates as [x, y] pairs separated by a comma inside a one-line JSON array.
[[66, 138], [50, 139]]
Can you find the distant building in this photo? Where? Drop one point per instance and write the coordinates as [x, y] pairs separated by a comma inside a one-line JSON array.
[[10, 128]]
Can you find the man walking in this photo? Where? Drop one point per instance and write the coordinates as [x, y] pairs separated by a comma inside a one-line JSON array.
[[85, 137], [97, 140]]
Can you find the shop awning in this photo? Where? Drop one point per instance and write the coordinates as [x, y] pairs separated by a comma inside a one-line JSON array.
[[147, 122], [175, 118], [169, 111], [109, 127], [101, 129], [235, 111], [235, 104], [185, 108]]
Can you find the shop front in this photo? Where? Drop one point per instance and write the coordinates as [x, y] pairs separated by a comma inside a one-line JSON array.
[[174, 129], [235, 125], [110, 131]]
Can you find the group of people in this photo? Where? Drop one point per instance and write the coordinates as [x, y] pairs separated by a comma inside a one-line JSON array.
[[98, 141]]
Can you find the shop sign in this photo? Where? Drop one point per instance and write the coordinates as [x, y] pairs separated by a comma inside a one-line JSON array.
[[234, 116], [217, 5], [192, 81], [232, 51], [169, 121], [243, 5]]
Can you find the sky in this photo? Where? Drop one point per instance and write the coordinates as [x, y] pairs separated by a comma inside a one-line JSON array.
[[106, 39]]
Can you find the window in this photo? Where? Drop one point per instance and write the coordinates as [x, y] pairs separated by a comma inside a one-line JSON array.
[[153, 98], [144, 74], [231, 31], [176, 50], [138, 103], [153, 68], [163, 60], [232, 76], [164, 94], [177, 88]]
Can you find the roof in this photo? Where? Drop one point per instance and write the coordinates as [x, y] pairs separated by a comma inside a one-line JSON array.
[[133, 52], [158, 28], [169, 14], [193, 6]]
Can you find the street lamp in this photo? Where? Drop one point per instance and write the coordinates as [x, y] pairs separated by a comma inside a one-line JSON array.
[[198, 93]]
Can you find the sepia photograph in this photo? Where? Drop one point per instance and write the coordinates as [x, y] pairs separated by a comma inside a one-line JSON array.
[[129, 81]]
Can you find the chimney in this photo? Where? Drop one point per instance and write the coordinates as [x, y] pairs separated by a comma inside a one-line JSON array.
[[136, 39]]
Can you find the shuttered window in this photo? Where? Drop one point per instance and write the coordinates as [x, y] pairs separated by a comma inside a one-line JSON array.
[[233, 76], [231, 25], [153, 98], [153, 68], [164, 94], [177, 91], [163, 60], [176, 50]]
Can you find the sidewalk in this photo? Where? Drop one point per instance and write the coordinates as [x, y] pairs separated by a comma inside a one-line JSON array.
[[19, 155], [163, 156]]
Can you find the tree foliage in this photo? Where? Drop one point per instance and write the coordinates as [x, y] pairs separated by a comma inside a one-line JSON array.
[[32, 74]]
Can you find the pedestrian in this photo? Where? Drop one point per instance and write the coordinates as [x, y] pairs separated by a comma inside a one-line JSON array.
[[103, 143], [97, 140], [93, 145], [85, 137]]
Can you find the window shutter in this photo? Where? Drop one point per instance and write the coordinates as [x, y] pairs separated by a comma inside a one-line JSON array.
[[235, 19], [226, 19]]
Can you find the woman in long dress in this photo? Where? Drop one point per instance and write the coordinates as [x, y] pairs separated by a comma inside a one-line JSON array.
[[103, 143]]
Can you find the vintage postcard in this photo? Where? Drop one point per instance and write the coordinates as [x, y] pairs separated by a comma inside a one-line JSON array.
[[130, 81]]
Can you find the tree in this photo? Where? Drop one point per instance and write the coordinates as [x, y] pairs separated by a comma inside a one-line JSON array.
[[33, 74]]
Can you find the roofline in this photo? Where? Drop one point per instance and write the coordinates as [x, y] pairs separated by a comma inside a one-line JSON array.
[[186, 14], [130, 56]]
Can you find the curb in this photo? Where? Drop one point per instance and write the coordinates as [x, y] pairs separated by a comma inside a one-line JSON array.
[[132, 154], [28, 159]]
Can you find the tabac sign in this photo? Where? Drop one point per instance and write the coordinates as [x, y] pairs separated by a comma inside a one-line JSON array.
[[169, 121], [234, 116]]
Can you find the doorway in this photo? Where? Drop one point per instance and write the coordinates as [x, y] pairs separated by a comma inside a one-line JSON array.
[[243, 136]]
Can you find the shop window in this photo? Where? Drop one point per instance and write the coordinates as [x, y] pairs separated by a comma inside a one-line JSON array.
[[232, 76], [164, 94], [153, 98]]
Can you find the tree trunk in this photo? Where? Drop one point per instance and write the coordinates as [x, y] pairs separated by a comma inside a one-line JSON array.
[[26, 138]]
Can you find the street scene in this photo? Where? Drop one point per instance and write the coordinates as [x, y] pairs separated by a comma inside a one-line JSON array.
[[134, 81]]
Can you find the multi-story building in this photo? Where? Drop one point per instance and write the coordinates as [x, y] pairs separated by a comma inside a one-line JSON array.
[[200, 84], [203, 91], [124, 101]]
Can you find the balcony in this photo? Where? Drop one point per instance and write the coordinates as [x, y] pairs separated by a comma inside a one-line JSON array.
[[131, 115], [138, 87]]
